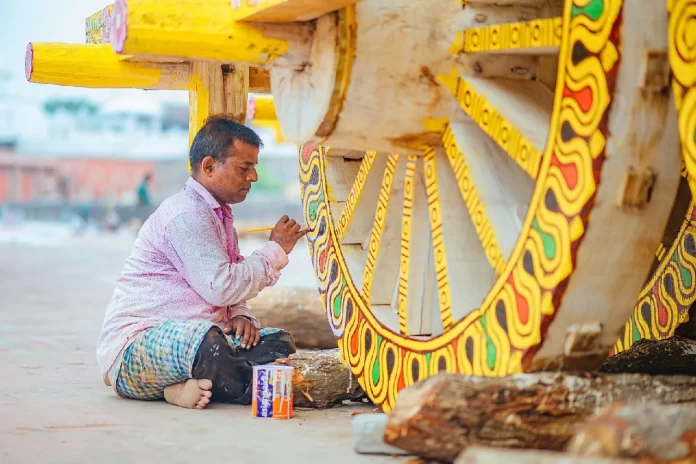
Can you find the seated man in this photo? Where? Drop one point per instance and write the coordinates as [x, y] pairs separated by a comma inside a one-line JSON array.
[[177, 326]]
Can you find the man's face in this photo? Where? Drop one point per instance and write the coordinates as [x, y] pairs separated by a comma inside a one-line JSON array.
[[231, 181]]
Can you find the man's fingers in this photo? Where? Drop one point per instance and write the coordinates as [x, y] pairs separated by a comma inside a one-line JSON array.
[[240, 329], [246, 342], [257, 338], [295, 229], [283, 219]]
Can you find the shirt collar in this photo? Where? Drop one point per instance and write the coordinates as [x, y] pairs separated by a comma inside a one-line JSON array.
[[205, 194]]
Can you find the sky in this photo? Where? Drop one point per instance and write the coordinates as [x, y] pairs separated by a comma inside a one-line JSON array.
[[24, 21]]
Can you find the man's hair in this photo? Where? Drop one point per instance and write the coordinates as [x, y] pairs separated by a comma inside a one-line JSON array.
[[215, 138]]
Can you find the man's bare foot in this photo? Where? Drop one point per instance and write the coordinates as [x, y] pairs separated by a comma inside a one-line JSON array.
[[192, 393]]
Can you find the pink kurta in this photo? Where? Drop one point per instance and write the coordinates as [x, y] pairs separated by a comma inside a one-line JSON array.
[[185, 264]]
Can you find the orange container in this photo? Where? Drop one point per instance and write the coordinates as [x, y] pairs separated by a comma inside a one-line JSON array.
[[272, 392]]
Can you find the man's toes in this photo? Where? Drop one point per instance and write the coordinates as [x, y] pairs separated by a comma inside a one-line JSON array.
[[206, 394], [205, 384], [202, 403]]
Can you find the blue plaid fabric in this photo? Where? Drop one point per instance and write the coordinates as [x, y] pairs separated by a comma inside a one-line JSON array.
[[162, 356]]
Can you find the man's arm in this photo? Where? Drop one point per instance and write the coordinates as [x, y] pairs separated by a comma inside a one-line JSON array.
[[242, 309], [201, 257]]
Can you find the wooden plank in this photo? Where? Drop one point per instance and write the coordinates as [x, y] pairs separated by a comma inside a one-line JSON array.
[[98, 66], [236, 91], [206, 95], [285, 11], [259, 80]]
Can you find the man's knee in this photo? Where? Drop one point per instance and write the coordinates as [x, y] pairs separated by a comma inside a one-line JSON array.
[[219, 362]]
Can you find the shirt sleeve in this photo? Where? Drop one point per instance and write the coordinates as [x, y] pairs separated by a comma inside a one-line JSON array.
[[198, 252], [241, 309]]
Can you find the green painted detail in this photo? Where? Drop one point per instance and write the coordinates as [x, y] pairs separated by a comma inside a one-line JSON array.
[[337, 305], [593, 10], [375, 367], [491, 353], [635, 335], [686, 276], [547, 240], [313, 210], [427, 363]]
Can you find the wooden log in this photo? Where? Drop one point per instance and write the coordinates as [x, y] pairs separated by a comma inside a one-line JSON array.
[[297, 310], [672, 356], [443, 415], [204, 30], [486, 455], [97, 66], [652, 433], [320, 379], [283, 11], [362, 64]]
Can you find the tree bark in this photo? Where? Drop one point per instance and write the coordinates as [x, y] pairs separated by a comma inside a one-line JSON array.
[[653, 433], [443, 415], [297, 310], [672, 356], [320, 379]]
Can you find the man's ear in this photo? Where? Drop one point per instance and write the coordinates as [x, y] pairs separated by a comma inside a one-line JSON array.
[[208, 165]]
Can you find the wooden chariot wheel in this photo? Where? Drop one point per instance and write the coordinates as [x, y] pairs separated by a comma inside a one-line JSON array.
[[497, 250]]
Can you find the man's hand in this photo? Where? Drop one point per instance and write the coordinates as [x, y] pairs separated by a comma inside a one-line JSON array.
[[286, 233], [244, 330]]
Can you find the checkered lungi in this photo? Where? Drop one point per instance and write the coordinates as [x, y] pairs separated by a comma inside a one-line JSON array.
[[163, 356]]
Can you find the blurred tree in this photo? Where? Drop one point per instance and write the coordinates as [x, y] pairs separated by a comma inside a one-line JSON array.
[[267, 182], [72, 106]]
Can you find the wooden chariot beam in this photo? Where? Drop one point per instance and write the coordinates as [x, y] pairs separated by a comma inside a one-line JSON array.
[[191, 29], [98, 66], [282, 11], [98, 31]]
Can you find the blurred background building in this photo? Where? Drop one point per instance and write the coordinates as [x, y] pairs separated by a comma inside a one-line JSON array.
[[71, 154]]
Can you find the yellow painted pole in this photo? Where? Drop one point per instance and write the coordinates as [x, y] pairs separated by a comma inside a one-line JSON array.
[[190, 29], [283, 11], [262, 109], [98, 66]]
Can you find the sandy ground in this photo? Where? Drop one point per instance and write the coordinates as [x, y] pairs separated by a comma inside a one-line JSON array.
[[54, 407]]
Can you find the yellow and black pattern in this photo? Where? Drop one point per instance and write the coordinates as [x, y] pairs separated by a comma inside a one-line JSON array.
[[682, 59], [380, 219], [438, 239], [665, 300], [409, 192], [508, 137], [502, 336], [477, 211], [538, 33], [355, 192]]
